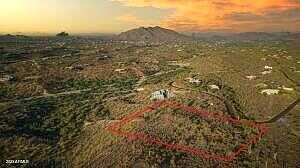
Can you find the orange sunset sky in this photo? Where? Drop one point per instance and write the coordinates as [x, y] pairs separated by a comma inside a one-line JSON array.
[[114, 16]]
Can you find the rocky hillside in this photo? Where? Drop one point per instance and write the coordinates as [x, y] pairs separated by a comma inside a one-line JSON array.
[[152, 34]]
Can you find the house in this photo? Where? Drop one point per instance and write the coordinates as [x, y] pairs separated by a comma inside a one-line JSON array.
[[161, 95], [6, 78]]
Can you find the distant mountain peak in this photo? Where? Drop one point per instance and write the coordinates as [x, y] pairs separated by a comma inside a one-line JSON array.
[[152, 34]]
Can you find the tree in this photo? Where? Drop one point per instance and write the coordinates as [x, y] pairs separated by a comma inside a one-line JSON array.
[[62, 34]]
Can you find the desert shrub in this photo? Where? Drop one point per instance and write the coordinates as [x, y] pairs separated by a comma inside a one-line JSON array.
[[124, 83], [4, 93], [120, 83], [28, 119], [54, 80], [169, 76]]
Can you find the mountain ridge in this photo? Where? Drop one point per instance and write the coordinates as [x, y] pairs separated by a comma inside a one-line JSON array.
[[152, 34]]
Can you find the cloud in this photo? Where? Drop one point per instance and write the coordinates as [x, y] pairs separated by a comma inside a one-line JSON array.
[[272, 20], [242, 16], [131, 19], [197, 15]]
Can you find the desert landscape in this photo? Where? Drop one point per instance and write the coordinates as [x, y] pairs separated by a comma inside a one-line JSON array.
[[152, 96]]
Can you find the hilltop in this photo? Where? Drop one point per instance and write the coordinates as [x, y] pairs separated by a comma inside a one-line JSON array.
[[152, 34]]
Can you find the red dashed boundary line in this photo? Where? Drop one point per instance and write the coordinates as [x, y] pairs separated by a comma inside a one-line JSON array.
[[115, 128]]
